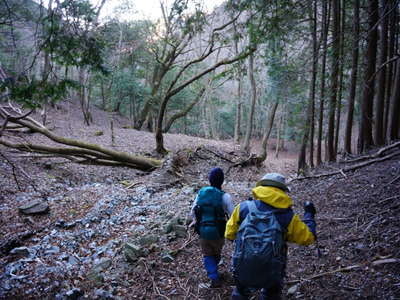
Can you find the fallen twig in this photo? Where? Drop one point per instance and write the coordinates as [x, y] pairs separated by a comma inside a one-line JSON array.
[[387, 199], [156, 290], [346, 269], [219, 155], [394, 179], [357, 166], [376, 154]]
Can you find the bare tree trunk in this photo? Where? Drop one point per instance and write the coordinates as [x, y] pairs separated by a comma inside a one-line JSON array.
[[366, 140], [309, 124], [278, 136], [393, 129], [184, 111], [391, 67], [354, 74], [331, 154], [83, 94], [324, 38], [379, 134], [205, 122], [264, 144], [246, 143], [236, 135], [341, 61], [238, 111]]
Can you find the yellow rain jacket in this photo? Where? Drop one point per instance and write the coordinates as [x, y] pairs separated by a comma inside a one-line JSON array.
[[297, 231]]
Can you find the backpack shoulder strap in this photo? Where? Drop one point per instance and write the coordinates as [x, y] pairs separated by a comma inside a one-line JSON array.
[[251, 206]]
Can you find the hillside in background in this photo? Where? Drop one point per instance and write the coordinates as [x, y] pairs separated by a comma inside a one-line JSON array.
[[119, 233]]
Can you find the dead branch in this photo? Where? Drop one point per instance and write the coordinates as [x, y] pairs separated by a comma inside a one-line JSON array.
[[14, 169], [218, 155], [346, 269], [376, 154], [387, 199], [351, 168], [87, 153], [252, 160], [156, 290], [395, 179]]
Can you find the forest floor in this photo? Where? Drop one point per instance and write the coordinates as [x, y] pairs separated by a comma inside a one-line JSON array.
[[118, 233]]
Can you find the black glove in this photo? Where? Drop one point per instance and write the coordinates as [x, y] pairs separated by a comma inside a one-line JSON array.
[[310, 208]]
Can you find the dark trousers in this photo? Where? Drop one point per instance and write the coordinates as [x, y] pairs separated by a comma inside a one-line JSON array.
[[243, 293]]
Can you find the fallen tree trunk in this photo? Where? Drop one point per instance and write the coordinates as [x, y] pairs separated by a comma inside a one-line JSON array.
[[83, 152]]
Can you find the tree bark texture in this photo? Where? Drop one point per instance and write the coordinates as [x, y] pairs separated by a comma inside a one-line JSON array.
[[391, 67], [353, 80], [341, 67], [366, 140], [270, 122], [249, 128], [331, 154], [394, 116], [324, 38], [379, 134], [309, 126]]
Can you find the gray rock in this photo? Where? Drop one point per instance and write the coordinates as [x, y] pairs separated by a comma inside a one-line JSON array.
[[52, 250], [95, 276], [180, 231], [167, 258], [292, 290], [6, 285], [34, 207], [73, 294], [62, 224], [102, 264], [73, 260], [132, 252], [103, 294], [147, 240], [23, 251]]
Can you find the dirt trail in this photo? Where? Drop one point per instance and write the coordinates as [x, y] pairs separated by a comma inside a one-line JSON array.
[[78, 249]]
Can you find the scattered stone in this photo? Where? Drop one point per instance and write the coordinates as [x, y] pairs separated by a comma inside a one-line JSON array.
[[102, 264], [180, 231], [22, 251], [73, 294], [95, 276], [99, 133], [52, 250], [148, 240], [62, 224], [103, 294], [293, 290], [34, 207], [73, 260], [132, 252], [167, 258]]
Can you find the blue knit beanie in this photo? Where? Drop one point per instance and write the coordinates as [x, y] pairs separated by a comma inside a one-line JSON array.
[[216, 177]]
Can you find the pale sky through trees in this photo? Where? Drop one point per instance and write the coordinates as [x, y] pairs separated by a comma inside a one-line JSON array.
[[139, 9]]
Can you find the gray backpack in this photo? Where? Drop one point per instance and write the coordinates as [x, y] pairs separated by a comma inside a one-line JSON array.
[[258, 259]]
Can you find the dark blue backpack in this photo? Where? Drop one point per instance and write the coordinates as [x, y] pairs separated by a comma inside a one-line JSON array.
[[210, 216], [258, 259]]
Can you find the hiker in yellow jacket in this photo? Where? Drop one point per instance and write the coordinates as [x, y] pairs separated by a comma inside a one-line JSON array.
[[272, 201]]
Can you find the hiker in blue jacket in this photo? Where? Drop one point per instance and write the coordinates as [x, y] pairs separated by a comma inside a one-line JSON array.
[[251, 269], [210, 211]]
